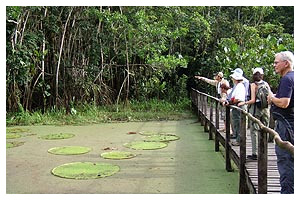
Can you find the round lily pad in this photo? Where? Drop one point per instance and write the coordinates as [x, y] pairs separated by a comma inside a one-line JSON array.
[[16, 130], [161, 138], [142, 145], [12, 136], [85, 170], [148, 133], [57, 136], [13, 144], [69, 150], [118, 155]]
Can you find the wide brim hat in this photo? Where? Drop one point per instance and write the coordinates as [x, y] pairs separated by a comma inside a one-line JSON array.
[[238, 70], [237, 76]]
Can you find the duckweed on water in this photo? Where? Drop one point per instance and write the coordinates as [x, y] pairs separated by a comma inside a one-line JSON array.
[[118, 155], [161, 138], [57, 136], [16, 130], [13, 144], [142, 145], [12, 136]]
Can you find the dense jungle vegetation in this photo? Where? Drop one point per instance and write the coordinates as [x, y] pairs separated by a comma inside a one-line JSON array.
[[61, 58]]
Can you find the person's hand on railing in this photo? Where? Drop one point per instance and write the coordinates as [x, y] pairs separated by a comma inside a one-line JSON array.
[[225, 103], [270, 97], [241, 103]]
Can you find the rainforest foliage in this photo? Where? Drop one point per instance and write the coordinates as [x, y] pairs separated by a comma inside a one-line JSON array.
[[58, 57]]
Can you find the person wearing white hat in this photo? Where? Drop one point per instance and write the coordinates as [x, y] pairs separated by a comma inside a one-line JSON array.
[[237, 96], [258, 107], [245, 82], [259, 70]]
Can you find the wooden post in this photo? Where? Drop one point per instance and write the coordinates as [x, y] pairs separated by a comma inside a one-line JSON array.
[[205, 105], [243, 189], [194, 101], [227, 141], [205, 115], [202, 102], [199, 100], [262, 163], [201, 109], [210, 137], [217, 117], [217, 125], [198, 106]]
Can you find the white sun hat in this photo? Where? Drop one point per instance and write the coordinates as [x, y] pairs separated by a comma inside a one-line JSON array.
[[237, 76], [238, 70]]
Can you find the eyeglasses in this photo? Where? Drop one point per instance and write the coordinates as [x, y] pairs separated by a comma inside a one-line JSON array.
[[277, 62]]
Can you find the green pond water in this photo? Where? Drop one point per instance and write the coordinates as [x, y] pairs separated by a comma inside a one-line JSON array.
[[188, 165]]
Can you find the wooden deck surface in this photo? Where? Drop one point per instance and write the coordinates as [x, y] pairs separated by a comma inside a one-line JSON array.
[[273, 184]]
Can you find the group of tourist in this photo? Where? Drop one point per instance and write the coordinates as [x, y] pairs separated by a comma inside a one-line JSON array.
[[259, 100]]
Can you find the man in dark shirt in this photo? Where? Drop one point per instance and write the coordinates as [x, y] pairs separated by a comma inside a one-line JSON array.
[[282, 110]]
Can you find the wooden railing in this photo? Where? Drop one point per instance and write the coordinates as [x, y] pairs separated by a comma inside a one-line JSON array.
[[202, 102]]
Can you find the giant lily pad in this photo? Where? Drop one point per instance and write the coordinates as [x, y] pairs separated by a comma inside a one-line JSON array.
[[69, 150], [12, 136], [85, 170], [118, 155], [57, 136], [13, 144], [16, 130], [142, 145], [161, 138], [148, 133]]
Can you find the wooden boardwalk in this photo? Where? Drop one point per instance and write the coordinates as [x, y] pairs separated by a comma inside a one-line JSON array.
[[250, 179], [252, 169]]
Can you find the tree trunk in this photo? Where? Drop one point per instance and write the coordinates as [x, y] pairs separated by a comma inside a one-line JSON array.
[[128, 73], [59, 59]]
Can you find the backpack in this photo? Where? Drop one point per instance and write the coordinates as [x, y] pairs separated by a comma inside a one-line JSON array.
[[262, 95], [248, 91]]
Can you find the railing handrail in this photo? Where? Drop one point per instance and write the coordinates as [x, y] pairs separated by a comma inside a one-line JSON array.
[[282, 144]]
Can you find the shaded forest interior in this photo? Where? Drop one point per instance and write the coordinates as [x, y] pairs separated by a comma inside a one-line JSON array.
[[61, 56]]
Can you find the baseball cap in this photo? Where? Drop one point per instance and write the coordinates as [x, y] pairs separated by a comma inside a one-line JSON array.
[[220, 74], [258, 69]]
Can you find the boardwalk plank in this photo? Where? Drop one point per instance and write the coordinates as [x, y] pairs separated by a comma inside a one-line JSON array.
[[273, 183]]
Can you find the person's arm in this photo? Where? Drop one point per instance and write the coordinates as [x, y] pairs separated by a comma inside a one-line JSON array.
[[209, 81], [286, 93], [253, 96], [235, 101], [279, 102], [223, 97]]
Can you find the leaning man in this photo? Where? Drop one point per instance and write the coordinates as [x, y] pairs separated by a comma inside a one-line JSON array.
[[282, 110]]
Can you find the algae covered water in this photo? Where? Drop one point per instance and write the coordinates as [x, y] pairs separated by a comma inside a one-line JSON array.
[[188, 165]]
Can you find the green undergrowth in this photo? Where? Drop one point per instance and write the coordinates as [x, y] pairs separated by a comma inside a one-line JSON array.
[[88, 114]]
